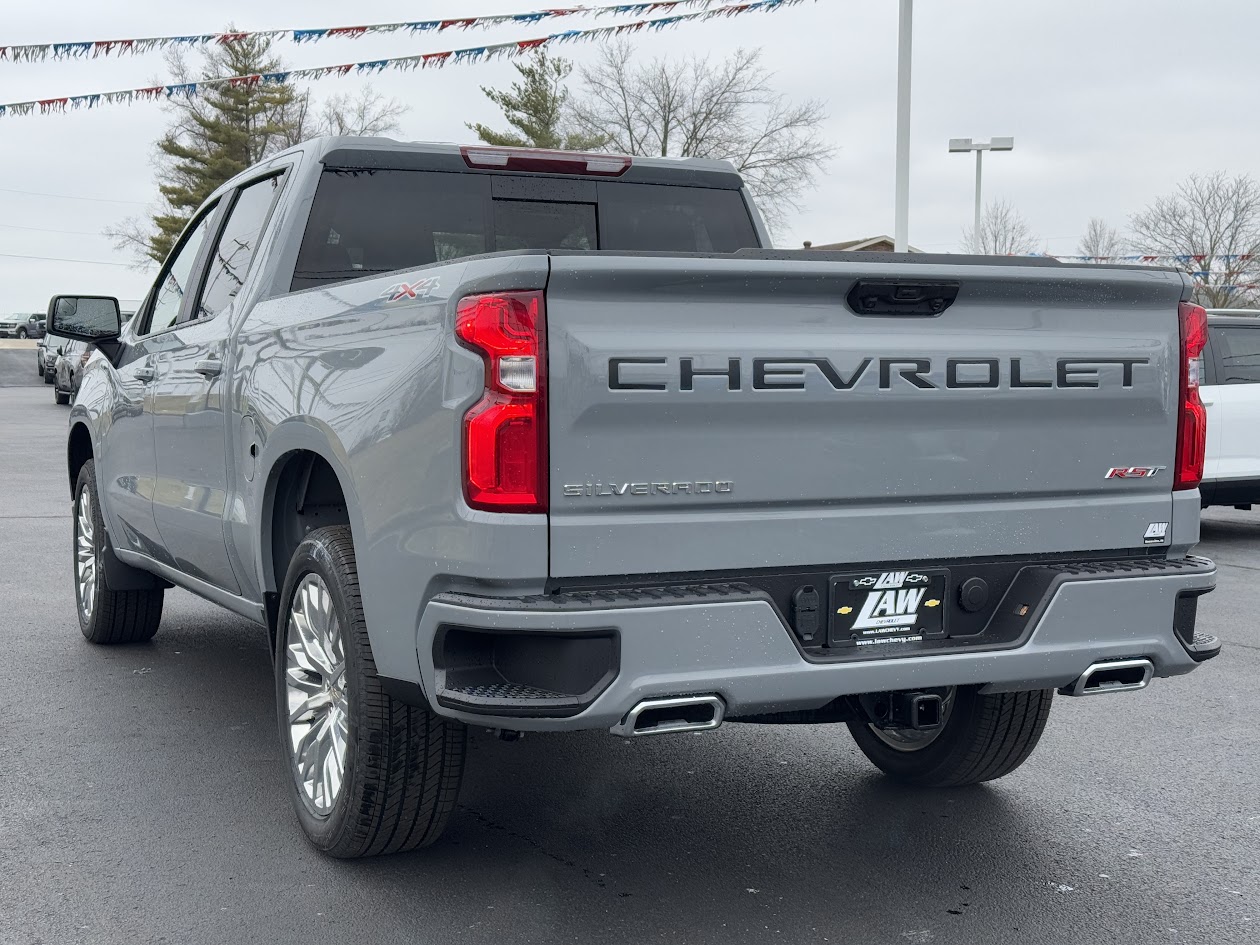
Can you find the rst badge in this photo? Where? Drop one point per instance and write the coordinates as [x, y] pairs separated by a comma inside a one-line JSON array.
[[1134, 472]]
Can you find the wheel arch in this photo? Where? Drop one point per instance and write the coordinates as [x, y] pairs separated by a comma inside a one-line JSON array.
[[306, 485], [79, 449]]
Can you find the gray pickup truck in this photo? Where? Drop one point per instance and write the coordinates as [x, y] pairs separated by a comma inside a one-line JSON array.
[[540, 442]]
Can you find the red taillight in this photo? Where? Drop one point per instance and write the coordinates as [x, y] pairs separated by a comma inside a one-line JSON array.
[[1192, 415], [552, 162], [505, 433]]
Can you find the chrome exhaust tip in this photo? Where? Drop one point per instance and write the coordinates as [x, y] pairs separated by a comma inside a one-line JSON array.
[[668, 716], [1112, 676]]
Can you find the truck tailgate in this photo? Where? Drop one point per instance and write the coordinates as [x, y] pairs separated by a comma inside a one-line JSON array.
[[725, 414]]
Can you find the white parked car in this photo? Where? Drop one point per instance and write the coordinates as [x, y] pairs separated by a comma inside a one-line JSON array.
[[1231, 392]]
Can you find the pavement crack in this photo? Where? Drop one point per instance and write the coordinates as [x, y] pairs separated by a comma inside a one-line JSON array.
[[597, 878], [1229, 564], [1245, 646]]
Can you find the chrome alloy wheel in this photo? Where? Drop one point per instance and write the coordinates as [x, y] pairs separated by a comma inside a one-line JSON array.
[[908, 739], [85, 554], [315, 687]]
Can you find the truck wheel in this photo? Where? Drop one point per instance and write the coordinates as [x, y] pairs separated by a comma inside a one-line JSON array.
[[368, 774], [48, 378], [105, 615], [980, 738], [21, 333]]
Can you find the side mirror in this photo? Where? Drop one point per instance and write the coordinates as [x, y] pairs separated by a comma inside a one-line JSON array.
[[90, 318]]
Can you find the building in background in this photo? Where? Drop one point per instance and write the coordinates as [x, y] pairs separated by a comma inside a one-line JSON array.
[[872, 244]]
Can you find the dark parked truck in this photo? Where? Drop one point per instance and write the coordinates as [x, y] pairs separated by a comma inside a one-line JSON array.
[[543, 442]]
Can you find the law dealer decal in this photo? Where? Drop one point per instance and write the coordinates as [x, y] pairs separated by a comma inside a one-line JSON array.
[[887, 607]]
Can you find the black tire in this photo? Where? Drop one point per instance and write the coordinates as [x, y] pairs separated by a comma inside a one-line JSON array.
[[402, 764], [984, 737], [21, 333], [111, 616], [48, 378], [59, 395]]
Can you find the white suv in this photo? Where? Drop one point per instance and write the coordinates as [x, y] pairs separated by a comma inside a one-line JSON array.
[[1231, 473]]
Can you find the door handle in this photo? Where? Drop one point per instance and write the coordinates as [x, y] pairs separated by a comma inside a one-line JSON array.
[[209, 368], [908, 298], [145, 372]]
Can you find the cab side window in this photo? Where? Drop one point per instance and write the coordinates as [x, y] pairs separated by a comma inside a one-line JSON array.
[[176, 278], [229, 264], [1238, 350]]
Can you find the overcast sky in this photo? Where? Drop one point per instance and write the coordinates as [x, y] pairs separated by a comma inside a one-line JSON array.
[[1111, 102]]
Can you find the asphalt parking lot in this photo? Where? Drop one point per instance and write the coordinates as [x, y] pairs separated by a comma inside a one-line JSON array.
[[143, 797]]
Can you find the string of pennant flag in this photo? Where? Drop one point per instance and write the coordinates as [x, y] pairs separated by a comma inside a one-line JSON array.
[[1183, 260], [1206, 267], [39, 52], [431, 60]]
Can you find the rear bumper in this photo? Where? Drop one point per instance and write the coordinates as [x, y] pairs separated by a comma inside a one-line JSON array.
[[731, 641]]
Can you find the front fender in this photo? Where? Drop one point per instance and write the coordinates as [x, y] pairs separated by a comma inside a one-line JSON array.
[[97, 402], [86, 411]]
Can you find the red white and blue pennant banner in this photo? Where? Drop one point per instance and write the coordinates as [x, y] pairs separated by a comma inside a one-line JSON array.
[[39, 52], [1228, 261], [399, 63], [1205, 268]]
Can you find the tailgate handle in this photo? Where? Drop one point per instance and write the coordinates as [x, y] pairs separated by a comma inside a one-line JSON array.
[[907, 298]]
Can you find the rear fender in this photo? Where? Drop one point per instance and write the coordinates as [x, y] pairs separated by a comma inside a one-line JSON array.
[[297, 434]]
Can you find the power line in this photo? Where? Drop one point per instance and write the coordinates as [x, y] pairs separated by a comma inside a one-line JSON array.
[[87, 262], [36, 193], [41, 229]]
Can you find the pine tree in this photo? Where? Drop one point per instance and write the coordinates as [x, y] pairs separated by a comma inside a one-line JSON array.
[[227, 128], [535, 107], [219, 134]]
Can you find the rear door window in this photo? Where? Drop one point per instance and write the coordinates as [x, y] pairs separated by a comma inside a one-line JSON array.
[[368, 221], [238, 242]]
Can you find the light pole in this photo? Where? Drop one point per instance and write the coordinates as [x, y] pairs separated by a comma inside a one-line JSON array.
[[901, 210], [957, 145]]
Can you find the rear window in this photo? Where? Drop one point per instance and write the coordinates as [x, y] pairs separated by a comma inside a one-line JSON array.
[[373, 221]]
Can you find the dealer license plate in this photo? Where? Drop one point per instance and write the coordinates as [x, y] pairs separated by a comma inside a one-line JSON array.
[[887, 607]]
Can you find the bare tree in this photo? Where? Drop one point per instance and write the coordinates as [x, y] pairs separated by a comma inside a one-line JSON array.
[[697, 108], [368, 113], [1003, 232], [1211, 226], [1100, 239]]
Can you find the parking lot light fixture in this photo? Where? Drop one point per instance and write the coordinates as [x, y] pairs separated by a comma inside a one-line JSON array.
[[958, 145]]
